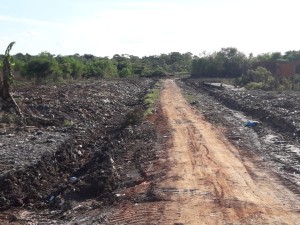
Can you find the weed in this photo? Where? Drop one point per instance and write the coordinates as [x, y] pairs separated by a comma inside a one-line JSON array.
[[68, 123], [150, 100]]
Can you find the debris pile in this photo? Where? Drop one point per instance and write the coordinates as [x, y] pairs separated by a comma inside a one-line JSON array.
[[79, 143], [280, 110]]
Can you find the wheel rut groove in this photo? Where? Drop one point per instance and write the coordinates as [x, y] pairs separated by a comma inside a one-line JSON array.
[[207, 181]]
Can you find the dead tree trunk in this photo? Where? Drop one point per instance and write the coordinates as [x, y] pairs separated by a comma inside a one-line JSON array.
[[5, 85]]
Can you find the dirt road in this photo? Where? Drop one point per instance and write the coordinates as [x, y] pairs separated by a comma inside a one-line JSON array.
[[209, 180], [214, 185]]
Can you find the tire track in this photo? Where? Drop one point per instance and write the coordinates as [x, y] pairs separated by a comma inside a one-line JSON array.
[[233, 196], [212, 184]]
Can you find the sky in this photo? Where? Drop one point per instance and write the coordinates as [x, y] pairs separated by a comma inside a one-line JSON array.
[[148, 27]]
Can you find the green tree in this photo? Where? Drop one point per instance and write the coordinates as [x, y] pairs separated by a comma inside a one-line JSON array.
[[228, 62], [260, 74], [276, 56], [292, 56], [101, 68], [259, 78], [264, 57], [124, 65], [234, 62], [125, 72], [70, 66], [42, 68]]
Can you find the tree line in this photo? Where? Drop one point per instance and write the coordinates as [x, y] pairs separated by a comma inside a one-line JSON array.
[[45, 67], [226, 63], [231, 63], [248, 71]]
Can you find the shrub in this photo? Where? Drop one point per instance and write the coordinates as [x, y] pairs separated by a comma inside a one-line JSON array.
[[254, 85]]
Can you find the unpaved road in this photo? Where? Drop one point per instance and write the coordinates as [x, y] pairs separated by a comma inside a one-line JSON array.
[[215, 186], [209, 181]]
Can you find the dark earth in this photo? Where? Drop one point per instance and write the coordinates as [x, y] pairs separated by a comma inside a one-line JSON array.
[[85, 146]]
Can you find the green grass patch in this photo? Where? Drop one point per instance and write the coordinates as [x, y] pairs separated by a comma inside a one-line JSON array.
[[151, 99], [68, 123]]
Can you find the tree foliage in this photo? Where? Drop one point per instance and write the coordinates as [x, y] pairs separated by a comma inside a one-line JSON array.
[[229, 62], [226, 63], [261, 78], [46, 67]]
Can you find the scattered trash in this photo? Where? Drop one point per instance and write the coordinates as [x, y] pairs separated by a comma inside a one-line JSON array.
[[251, 123], [106, 101], [120, 195], [112, 161], [51, 198], [73, 179]]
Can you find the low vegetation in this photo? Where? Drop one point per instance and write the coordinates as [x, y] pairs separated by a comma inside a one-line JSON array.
[[151, 99], [231, 63], [261, 78]]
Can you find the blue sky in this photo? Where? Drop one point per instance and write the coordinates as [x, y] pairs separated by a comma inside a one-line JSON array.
[[148, 27]]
